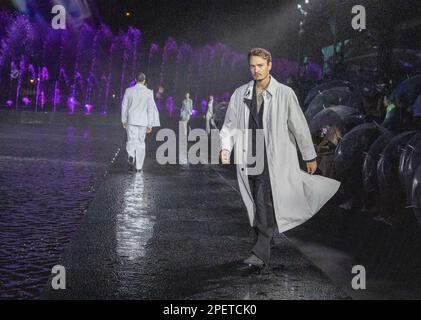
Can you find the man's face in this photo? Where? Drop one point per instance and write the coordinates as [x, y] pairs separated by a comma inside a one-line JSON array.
[[259, 68], [211, 98]]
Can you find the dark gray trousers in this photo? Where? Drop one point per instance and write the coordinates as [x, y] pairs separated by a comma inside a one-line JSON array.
[[264, 218]]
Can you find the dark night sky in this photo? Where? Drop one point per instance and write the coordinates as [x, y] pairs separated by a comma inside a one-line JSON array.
[[243, 24], [239, 24]]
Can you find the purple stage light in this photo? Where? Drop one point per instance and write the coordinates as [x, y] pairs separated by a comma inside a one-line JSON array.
[[153, 50], [95, 65], [26, 101], [72, 103], [204, 106], [226, 96], [89, 108], [170, 105]]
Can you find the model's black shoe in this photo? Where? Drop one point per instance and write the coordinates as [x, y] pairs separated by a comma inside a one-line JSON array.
[[131, 161], [255, 261], [139, 170]]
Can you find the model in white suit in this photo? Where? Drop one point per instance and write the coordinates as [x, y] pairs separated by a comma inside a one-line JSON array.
[[139, 115], [209, 114]]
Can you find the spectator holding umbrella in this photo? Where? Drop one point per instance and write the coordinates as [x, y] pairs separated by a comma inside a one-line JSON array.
[[391, 114]]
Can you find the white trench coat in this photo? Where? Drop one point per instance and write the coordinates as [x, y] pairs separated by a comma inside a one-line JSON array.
[[297, 195]]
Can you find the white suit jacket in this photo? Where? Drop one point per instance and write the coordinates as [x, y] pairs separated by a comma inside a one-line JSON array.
[[210, 110], [139, 108]]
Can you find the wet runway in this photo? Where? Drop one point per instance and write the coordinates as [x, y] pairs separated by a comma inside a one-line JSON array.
[[178, 232], [171, 232]]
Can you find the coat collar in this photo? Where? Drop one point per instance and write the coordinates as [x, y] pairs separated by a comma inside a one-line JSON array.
[[271, 89]]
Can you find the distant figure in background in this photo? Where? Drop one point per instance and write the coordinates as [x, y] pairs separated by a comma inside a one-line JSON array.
[[159, 97], [326, 150], [139, 115], [390, 121], [210, 111], [186, 113], [372, 106]]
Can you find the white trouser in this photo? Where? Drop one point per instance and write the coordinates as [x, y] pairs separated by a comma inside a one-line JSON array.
[[208, 123], [136, 144], [185, 126]]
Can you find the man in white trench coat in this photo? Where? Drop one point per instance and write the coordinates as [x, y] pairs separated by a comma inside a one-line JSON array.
[[278, 195], [139, 115]]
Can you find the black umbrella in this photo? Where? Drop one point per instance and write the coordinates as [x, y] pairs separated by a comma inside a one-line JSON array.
[[416, 109], [342, 117], [388, 176], [409, 161], [370, 162], [326, 99], [350, 153], [416, 194], [322, 87], [406, 92]]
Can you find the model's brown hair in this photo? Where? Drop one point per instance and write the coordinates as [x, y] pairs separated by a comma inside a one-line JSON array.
[[260, 52]]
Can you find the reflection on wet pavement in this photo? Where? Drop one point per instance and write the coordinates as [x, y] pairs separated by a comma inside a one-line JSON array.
[[134, 221], [48, 175], [177, 232]]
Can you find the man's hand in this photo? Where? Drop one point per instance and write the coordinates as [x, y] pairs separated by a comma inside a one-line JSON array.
[[148, 130], [225, 156], [125, 126], [312, 167]]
